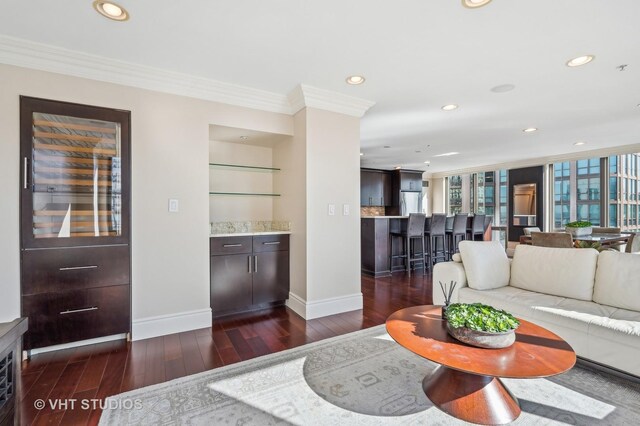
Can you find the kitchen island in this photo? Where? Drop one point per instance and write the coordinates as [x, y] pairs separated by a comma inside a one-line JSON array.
[[375, 243]]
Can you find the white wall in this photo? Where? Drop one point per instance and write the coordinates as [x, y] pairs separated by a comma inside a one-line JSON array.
[[438, 195], [333, 177], [291, 157], [170, 255], [225, 179]]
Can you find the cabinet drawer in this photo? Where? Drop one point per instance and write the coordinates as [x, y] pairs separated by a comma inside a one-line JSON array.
[[230, 245], [49, 270], [56, 318], [278, 242]]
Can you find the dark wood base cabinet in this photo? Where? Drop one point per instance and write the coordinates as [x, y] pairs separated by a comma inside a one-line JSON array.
[[248, 273]]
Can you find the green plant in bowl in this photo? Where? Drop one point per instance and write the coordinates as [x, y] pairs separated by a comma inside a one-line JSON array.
[[479, 317], [578, 224]]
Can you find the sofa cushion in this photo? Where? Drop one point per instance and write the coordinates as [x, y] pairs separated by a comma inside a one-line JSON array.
[[565, 272], [485, 263], [618, 280]]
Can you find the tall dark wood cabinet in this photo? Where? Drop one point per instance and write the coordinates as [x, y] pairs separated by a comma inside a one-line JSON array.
[[75, 221]]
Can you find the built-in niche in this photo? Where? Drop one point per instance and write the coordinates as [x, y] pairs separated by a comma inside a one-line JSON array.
[[526, 208]]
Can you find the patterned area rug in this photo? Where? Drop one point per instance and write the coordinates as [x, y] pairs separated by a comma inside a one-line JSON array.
[[362, 378]]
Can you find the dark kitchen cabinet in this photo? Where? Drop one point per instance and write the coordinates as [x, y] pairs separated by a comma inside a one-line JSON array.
[[375, 188], [410, 181], [74, 221], [248, 273]]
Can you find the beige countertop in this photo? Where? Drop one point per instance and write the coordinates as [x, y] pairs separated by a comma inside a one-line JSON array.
[[384, 217], [250, 234]]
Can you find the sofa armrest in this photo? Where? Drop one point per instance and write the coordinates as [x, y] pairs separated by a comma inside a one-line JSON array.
[[447, 272]]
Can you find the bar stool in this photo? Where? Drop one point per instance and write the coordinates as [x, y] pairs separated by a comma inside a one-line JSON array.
[[448, 229], [477, 228], [458, 232], [415, 230], [436, 233]]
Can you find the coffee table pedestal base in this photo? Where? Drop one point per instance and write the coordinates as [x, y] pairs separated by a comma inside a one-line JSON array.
[[469, 397]]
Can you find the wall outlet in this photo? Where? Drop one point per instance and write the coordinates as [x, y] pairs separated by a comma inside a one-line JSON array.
[[174, 206], [345, 210], [331, 210]]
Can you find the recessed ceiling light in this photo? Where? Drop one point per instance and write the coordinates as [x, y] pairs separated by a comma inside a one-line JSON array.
[[580, 60], [530, 129], [361, 154], [398, 167], [355, 79], [244, 138], [579, 143], [503, 88], [472, 4], [111, 10], [450, 107], [427, 162], [447, 154]]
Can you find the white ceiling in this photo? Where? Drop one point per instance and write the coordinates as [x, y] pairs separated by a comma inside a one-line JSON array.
[[417, 55]]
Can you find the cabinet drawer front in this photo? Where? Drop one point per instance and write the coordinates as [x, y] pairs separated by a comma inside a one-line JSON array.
[[278, 242], [230, 245], [56, 318], [62, 269]]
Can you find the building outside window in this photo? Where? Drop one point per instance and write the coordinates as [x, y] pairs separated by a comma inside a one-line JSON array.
[[578, 191]]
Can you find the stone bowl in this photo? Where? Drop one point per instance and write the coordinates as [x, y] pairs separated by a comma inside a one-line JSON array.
[[579, 232], [482, 339]]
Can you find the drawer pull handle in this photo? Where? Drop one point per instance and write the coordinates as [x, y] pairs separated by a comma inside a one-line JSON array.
[[76, 268], [232, 245], [271, 243], [74, 311]]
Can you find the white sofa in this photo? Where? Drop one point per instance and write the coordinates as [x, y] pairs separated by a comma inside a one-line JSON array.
[[590, 299]]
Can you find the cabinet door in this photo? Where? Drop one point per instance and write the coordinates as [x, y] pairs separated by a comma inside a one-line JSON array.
[[271, 277], [231, 281], [410, 181], [387, 190], [75, 174], [366, 187]]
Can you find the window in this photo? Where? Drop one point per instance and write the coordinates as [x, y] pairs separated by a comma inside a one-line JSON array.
[[561, 193]]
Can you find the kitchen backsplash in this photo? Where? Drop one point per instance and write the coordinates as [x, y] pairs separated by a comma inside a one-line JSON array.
[[249, 226], [371, 211]]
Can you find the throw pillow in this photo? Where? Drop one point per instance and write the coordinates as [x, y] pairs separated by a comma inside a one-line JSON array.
[[485, 263], [618, 280]]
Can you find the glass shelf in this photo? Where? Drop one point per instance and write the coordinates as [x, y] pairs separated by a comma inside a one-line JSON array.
[[243, 167], [260, 194]]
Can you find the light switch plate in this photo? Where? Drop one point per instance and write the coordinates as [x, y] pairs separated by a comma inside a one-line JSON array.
[[331, 210], [345, 210], [174, 206]]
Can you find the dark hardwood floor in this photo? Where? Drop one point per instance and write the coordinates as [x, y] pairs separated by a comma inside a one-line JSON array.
[[89, 374]]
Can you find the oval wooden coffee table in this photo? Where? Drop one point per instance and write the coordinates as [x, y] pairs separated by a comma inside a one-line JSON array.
[[466, 385]]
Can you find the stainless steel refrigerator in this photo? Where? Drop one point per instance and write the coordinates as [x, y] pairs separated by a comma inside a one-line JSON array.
[[410, 202]]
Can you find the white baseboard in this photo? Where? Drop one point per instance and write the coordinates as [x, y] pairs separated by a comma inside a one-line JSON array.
[[78, 343], [145, 328], [324, 307]]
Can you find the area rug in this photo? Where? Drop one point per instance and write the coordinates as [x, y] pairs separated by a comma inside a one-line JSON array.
[[361, 378]]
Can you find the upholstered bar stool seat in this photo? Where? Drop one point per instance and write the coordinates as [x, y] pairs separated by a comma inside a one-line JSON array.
[[457, 233], [436, 239], [413, 237], [476, 231]]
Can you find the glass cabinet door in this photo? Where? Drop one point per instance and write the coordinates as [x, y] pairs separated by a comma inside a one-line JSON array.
[[74, 174]]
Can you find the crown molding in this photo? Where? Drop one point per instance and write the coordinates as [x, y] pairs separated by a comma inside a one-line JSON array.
[[28, 54], [43, 57], [305, 96]]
